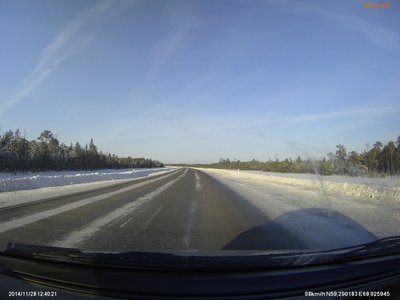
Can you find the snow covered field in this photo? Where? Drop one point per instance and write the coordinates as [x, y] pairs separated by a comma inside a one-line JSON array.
[[324, 212]]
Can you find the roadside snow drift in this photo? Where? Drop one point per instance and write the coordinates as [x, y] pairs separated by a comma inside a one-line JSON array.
[[376, 188], [28, 181]]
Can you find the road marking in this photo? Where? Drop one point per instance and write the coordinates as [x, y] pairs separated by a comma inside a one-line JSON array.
[[197, 182], [126, 222], [187, 238], [9, 225], [193, 206], [80, 235], [145, 225]]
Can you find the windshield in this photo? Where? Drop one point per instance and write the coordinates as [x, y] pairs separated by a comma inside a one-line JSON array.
[[170, 126]]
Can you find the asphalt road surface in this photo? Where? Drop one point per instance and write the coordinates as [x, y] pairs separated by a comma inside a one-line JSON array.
[[182, 210]]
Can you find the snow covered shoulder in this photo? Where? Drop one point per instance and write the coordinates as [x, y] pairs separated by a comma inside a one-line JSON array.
[[364, 187], [10, 182]]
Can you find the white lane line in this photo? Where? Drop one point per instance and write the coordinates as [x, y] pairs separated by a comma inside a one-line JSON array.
[[9, 225], [80, 235], [126, 222], [193, 206], [147, 223], [187, 238], [197, 182]]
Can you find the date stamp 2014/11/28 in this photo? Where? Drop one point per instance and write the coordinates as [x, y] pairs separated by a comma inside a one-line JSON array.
[[32, 294]]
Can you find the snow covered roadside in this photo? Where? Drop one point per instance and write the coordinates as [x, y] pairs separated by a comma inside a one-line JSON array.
[[374, 188], [65, 183], [320, 219], [10, 182]]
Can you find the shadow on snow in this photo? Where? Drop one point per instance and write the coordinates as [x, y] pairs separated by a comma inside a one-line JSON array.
[[314, 229]]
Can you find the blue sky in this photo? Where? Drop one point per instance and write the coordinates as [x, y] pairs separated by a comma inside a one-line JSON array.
[[194, 81]]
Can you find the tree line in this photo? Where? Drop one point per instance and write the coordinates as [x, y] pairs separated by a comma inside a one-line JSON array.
[[377, 159], [48, 154]]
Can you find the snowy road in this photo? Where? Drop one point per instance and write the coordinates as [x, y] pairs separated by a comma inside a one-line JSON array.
[[193, 209]]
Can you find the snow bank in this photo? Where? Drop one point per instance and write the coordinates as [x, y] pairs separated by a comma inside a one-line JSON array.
[[27, 181], [381, 188]]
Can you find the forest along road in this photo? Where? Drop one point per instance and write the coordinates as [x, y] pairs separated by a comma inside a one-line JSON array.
[[186, 209]]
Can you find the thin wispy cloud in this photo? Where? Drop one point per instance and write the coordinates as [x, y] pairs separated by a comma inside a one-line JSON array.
[[166, 47], [367, 112], [67, 43], [378, 35], [181, 22], [371, 112], [215, 124]]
